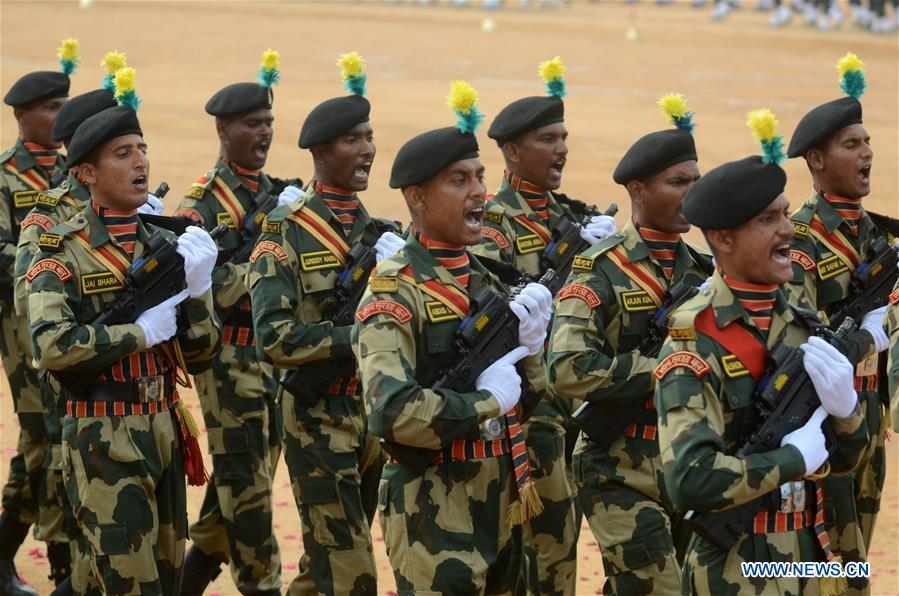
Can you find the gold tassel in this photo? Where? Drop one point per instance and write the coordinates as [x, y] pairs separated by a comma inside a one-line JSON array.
[[527, 506], [193, 457], [832, 586]]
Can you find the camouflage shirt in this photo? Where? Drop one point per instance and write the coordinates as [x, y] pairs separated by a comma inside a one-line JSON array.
[[892, 325]]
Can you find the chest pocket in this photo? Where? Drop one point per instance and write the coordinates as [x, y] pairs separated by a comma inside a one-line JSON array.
[[737, 392], [438, 350], [636, 313], [832, 279], [318, 291]]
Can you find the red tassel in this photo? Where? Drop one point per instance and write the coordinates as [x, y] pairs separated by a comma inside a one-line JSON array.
[[190, 451]]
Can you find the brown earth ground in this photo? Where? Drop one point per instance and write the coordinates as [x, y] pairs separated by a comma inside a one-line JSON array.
[[185, 51]]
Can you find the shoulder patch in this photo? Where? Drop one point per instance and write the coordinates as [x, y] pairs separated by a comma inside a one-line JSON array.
[[382, 284], [24, 198], [50, 200], [439, 312], [271, 227], [267, 246], [195, 192], [682, 333], [494, 216], [49, 241], [582, 292], [800, 228], [733, 367], [802, 259], [189, 213], [51, 265], [387, 307], [498, 237], [681, 359], [36, 219], [831, 267], [529, 243], [583, 263]]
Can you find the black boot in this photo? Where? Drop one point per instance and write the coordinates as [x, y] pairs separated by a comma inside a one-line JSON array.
[[198, 572], [12, 535], [60, 557]]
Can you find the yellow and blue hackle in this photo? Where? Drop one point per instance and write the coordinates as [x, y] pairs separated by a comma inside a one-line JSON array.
[[68, 56], [269, 73], [552, 72], [852, 75], [352, 69], [112, 62], [126, 89], [763, 125], [463, 100], [674, 107]]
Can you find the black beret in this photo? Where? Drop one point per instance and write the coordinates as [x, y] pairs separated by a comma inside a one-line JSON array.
[[43, 84], [99, 128], [733, 193], [653, 153], [239, 98], [333, 117], [78, 109], [428, 153], [524, 115], [823, 121]]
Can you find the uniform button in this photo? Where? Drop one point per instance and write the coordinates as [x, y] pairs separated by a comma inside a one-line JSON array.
[[733, 400], [705, 292]]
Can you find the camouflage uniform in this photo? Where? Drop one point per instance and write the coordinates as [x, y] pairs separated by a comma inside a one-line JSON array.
[[821, 281], [124, 472], [512, 235], [602, 319], [892, 325], [334, 464], [446, 530], [238, 399], [704, 397]]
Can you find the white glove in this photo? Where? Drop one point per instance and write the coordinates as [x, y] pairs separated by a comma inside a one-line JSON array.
[[809, 440], [873, 324], [158, 323], [708, 280], [289, 195], [388, 245], [502, 381], [198, 249], [832, 375], [598, 228], [533, 307], [153, 206]]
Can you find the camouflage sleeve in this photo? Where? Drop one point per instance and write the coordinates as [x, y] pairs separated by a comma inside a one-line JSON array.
[[582, 362], [852, 439], [496, 240], [25, 252], [201, 338], [59, 340], [892, 324], [398, 408], [699, 474], [7, 236]]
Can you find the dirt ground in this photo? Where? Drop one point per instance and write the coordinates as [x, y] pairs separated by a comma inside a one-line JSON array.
[[185, 51]]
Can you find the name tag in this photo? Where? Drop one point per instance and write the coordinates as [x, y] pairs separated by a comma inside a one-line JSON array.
[[437, 312], [98, 283], [831, 267], [322, 259], [24, 198], [636, 301], [530, 243]]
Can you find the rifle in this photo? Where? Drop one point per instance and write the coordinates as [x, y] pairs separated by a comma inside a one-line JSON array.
[[251, 230], [488, 333], [786, 400], [567, 243], [870, 284], [677, 294]]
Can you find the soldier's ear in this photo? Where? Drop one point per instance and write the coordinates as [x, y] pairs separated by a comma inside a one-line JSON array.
[[815, 160], [511, 152], [720, 241], [635, 190], [87, 172], [221, 129], [18, 113], [318, 153]]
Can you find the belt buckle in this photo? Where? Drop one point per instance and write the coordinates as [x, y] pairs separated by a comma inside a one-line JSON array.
[[792, 496], [149, 388], [492, 429]]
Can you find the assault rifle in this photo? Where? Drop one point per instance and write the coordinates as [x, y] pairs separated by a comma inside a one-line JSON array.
[[251, 230], [786, 400], [870, 284], [677, 294], [567, 243]]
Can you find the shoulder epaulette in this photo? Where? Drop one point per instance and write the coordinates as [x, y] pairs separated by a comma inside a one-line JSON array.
[[48, 199], [7, 154], [51, 240], [494, 212], [604, 246], [681, 323], [802, 217], [280, 213], [198, 189]]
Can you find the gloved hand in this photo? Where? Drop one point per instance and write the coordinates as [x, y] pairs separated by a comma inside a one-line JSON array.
[[809, 440], [158, 323], [832, 375], [533, 307], [289, 195], [502, 381], [388, 245], [198, 249], [873, 324], [153, 206], [598, 228]]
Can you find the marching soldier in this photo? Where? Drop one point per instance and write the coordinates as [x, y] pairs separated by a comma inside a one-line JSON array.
[[334, 464], [451, 521], [238, 392], [599, 353], [127, 439], [518, 225], [26, 170], [892, 325], [833, 235], [707, 377]]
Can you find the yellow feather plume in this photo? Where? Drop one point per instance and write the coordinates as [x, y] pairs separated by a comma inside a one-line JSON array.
[[124, 81], [673, 105], [68, 50], [763, 124], [113, 61], [271, 60], [462, 97], [850, 63], [351, 65], [551, 70]]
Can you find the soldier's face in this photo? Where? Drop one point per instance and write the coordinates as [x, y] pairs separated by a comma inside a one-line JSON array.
[[539, 156], [450, 206], [658, 199], [346, 161], [843, 166], [36, 121], [119, 175], [246, 138]]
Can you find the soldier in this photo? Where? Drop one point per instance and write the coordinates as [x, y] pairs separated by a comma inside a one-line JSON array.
[[238, 392], [123, 462], [706, 382], [892, 325], [451, 525], [599, 353], [334, 465], [27, 170], [833, 235], [520, 220]]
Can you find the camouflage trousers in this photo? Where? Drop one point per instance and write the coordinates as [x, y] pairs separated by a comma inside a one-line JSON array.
[[125, 480], [334, 467], [870, 474], [620, 491], [447, 531], [550, 539], [243, 431]]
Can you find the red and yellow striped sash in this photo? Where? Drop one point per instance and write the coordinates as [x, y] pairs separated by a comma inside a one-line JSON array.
[[640, 274], [322, 231], [450, 296], [29, 176], [229, 201], [836, 242], [536, 227]]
